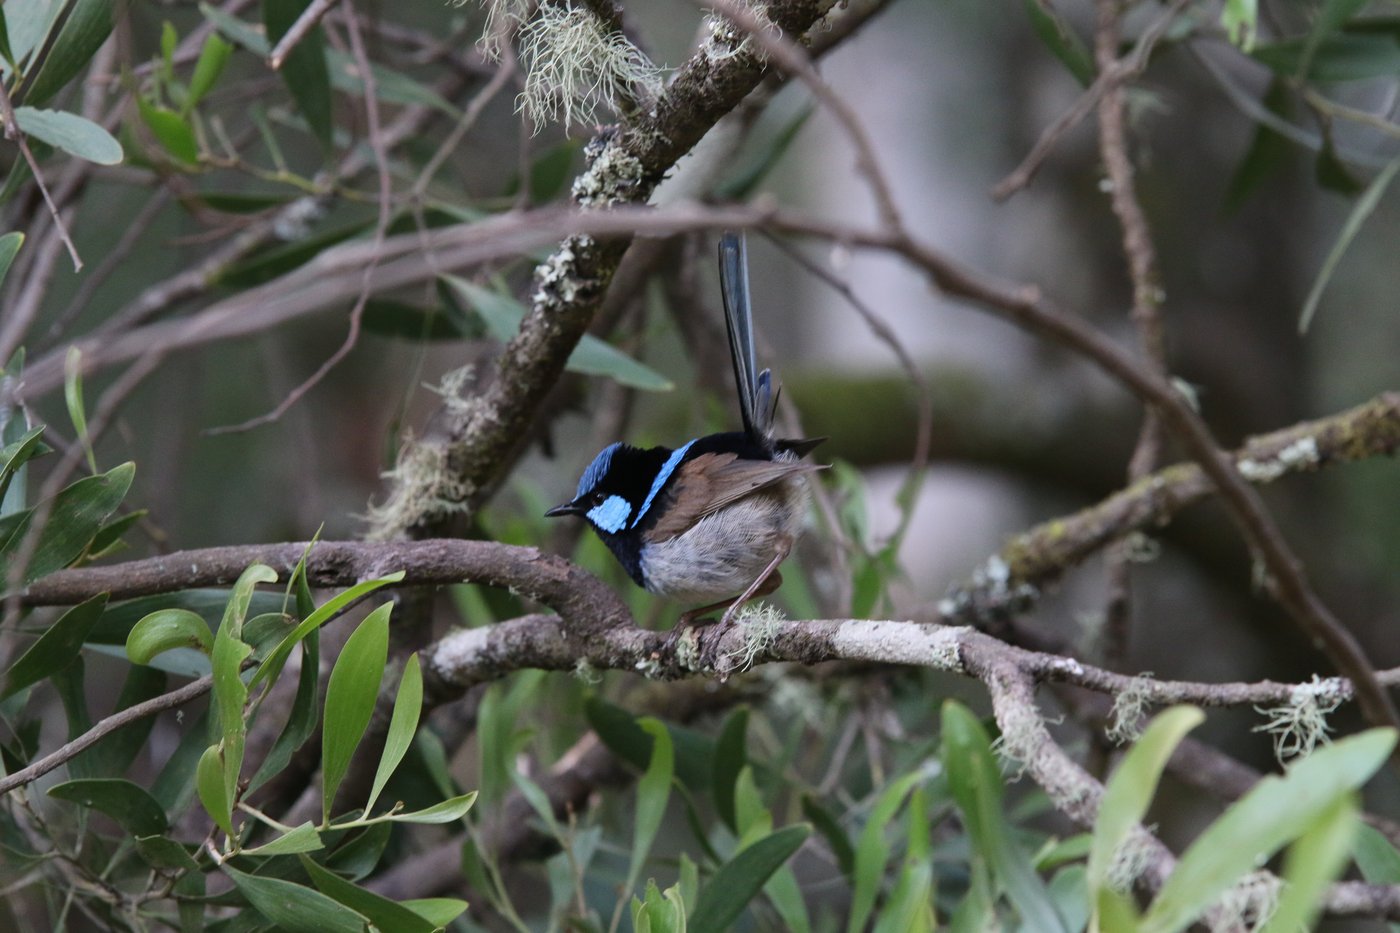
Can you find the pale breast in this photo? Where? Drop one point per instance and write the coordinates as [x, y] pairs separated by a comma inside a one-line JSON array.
[[728, 549]]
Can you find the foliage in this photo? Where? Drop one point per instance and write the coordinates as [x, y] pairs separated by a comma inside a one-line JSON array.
[[300, 762]]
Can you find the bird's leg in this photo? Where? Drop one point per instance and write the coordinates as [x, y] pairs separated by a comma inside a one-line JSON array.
[[767, 582]]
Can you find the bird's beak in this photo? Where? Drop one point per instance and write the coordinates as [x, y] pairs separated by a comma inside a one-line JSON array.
[[568, 508]]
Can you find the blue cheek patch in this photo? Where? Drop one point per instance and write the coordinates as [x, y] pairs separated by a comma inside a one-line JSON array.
[[611, 514], [662, 475]]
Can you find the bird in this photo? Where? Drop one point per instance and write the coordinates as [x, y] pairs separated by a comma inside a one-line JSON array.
[[708, 521]]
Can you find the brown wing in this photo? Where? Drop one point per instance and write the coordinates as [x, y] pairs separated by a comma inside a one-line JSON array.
[[712, 481]]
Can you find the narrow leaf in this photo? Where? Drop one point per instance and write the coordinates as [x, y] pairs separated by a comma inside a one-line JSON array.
[[73, 134], [383, 913], [213, 56], [172, 130], [77, 515], [403, 724], [80, 35], [1313, 862], [1275, 811], [449, 811], [272, 665], [592, 356], [131, 806], [209, 784], [304, 72], [56, 648], [1365, 206], [303, 838], [9, 246], [1130, 790], [351, 693], [975, 780], [295, 908], [653, 792], [730, 758], [741, 878]]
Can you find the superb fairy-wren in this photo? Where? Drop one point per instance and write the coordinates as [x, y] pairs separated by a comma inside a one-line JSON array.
[[711, 520]]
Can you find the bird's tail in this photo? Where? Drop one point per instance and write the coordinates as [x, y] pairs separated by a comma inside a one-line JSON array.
[[757, 396]]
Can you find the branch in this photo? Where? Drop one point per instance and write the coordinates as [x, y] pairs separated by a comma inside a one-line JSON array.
[[106, 727], [1010, 580], [580, 598]]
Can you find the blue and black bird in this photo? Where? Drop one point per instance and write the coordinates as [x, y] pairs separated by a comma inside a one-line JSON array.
[[710, 521]]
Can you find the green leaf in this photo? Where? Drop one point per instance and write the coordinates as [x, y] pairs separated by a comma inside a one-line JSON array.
[[770, 153], [213, 794], [382, 912], [592, 356], [295, 908], [80, 35], [213, 56], [1330, 18], [304, 71], [108, 539], [497, 717], [390, 86], [872, 851], [230, 694], [77, 515], [171, 129], [403, 724], [1276, 810], [449, 811], [15, 455], [975, 780], [358, 857], [164, 852], [301, 722], [1061, 39], [9, 246], [653, 792], [388, 318], [351, 693], [1338, 58], [831, 830], [166, 629], [1365, 206], [56, 648], [1130, 790], [619, 731], [240, 32], [440, 911], [730, 759], [549, 172], [1377, 858], [5, 51], [1313, 862], [741, 878], [131, 806], [303, 838], [73, 398], [272, 665], [1240, 20]]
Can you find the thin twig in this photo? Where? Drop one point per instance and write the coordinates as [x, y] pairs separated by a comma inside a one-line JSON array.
[[313, 14], [357, 312], [37, 769], [1142, 271], [12, 131], [1122, 70], [793, 59]]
